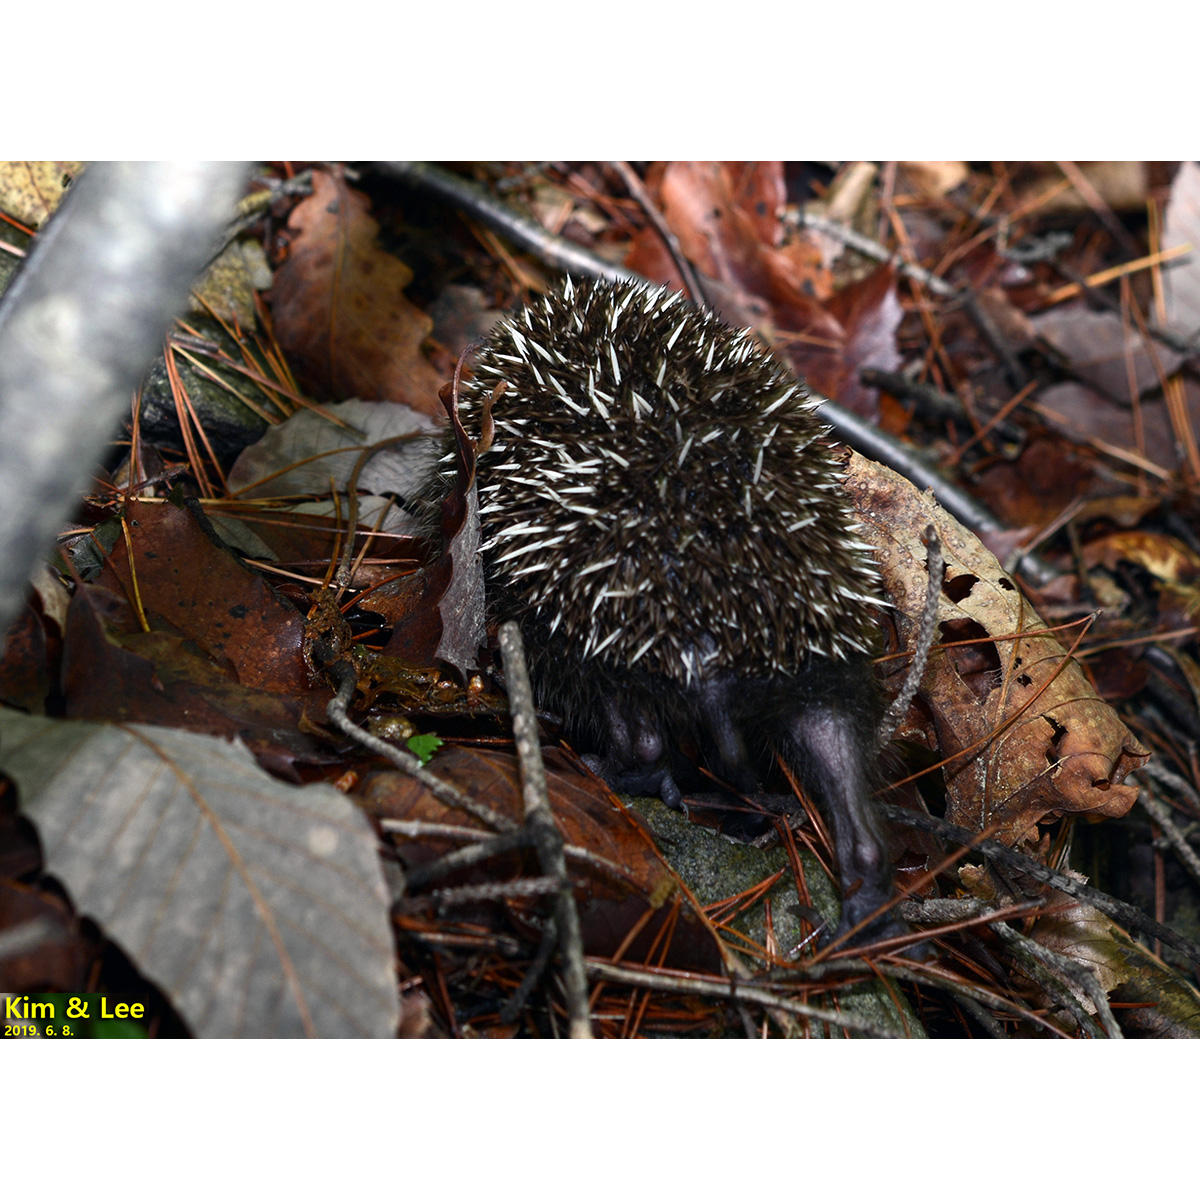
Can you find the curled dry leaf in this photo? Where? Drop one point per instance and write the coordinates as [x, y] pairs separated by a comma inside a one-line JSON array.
[[1172, 562], [438, 614], [1023, 735]]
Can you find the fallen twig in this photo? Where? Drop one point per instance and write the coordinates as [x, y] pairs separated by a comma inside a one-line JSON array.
[[529, 235], [1127, 914], [732, 990], [922, 643], [637, 189], [544, 833]]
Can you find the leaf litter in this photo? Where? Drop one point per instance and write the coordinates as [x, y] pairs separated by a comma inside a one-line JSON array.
[[1018, 737]]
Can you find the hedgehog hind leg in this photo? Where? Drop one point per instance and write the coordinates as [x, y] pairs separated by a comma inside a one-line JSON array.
[[826, 744], [719, 703], [635, 759]]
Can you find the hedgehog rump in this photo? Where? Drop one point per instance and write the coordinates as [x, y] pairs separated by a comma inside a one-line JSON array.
[[662, 513], [656, 477]]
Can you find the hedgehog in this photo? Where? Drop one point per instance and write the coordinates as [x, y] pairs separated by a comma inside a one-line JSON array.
[[662, 512]]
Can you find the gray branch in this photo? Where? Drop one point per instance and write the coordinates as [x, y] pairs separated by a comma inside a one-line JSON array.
[[78, 327]]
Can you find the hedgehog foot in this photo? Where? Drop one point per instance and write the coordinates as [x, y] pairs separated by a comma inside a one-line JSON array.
[[655, 780], [635, 761]]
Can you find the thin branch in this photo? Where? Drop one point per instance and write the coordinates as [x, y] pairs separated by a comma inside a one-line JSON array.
[[1127, 914], [473, 893], [486, 848], [516, 1002], [345, 679], [521, 231], [922, 643], [80, 323], [1046, 964], [983, 1018], [731, 990], [869, 248], [1161, 814], [539, 820], [637, 189]]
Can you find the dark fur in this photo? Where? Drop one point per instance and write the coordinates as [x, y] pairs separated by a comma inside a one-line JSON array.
[[821, 720]]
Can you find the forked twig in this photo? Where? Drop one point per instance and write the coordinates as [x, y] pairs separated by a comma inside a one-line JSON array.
[[539, 820]]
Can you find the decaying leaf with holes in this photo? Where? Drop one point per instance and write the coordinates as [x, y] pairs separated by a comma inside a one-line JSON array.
[[1022, 734]]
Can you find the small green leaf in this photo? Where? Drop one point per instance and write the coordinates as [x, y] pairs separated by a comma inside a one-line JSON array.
[[424, 746]]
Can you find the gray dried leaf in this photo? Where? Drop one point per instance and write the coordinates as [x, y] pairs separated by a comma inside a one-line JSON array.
[[258, 907], [289, 446]]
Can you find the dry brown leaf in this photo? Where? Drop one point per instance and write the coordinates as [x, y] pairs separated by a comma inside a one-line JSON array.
[[112, 671], [1166, 558], [206, 592], [737, 247], [1025, 737], [339, 308], [1171, 562], [1126, 970], [1086, 417], [726, 216], [869, 313], [936, 177], [31, 191]]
